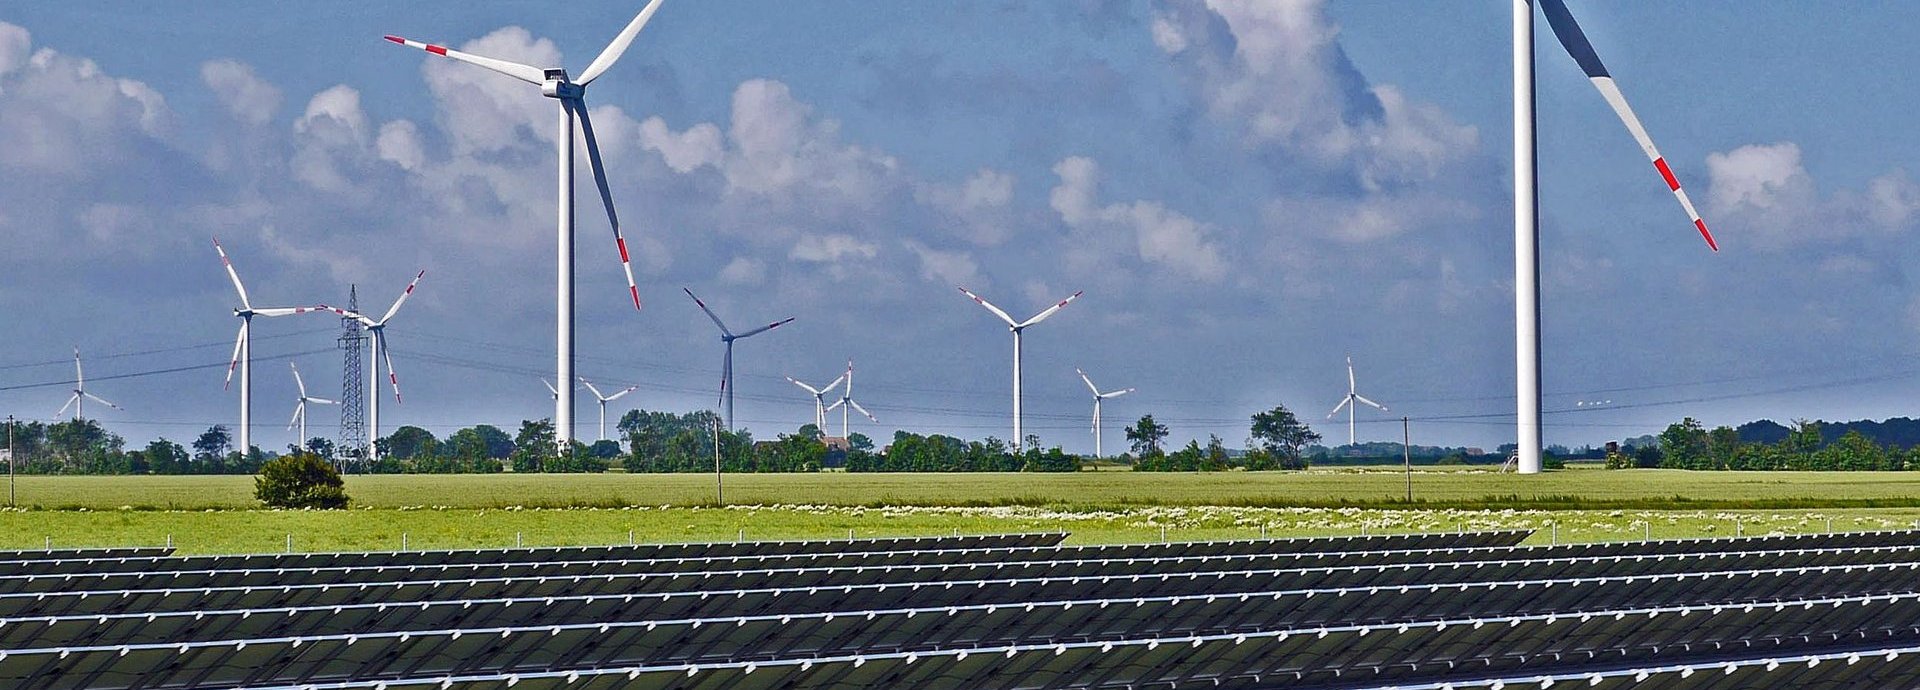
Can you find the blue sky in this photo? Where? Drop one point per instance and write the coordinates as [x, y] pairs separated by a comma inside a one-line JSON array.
[[1247, 191]]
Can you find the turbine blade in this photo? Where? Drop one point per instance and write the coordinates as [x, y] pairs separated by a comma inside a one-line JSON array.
[[1090, 386], [619, 45], [1362, 398], [238, 340], [768, 327], [550, 388], [284, 311], [836, 404], [70, 401], [726, 375], [862, 410], [989, 305], [1350, 384], [1339, 407], [1116, 394], [616, 396], [1042, 316], [395, 309], [710, 314], [808, 388], [1575, 41], [299, 411], [79, 376], [392, 376], [322, 401], [228, 263], [836, 382], [102, 401], [589, 385], [579, 109], [526, 73], [297, 380]]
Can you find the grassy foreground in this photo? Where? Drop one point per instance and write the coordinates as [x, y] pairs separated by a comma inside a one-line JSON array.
[[1569, 489], [218, 515]]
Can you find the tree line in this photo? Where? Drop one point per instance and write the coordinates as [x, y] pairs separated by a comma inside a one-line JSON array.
[[1805, 446]]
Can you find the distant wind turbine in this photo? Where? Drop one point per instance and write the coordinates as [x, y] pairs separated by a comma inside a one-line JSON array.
[[1526, 201], [819, 400], [604, 399], [80, 394], [243, 346], [1347, 403], [300, 410], [728, 336], [1017, 327], [554, 83], [1097, 398], [846, 401]]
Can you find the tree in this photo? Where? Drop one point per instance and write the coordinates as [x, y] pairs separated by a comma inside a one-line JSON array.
[[533, 445], [860, 442], [409, 442], [1685, 446], [1146, 436], [210, 450], [166, 457], [300, 480], [1282, 434]]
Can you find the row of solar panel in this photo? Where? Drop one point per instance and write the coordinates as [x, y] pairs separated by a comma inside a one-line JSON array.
[[370, 611], [1112, 642]]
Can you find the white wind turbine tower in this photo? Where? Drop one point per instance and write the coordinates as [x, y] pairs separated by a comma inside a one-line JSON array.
[[604, 399], [378, 330], [846, 401], [554, 83], [1097, 398], [819, 400], [1347, 403], [243, 346], [80, 394], [1017, 327], [300, 410], [728, 336], [1526, 202]]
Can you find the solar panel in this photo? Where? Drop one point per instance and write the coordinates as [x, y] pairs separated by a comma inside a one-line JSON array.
[[83, 554]]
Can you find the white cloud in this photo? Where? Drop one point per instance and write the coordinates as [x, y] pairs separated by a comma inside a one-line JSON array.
[[245, 95], [697, 147], [15, 45], [744, 271], [1159, 236], [63, 115], [484, 111], [331, 135], [779, 147], [826, 248], [979, 210], [1762, 193], [399, 143], [955, 268]]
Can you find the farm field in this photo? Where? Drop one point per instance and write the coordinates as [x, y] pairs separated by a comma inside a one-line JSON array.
[[217, 514], [1568, 489]]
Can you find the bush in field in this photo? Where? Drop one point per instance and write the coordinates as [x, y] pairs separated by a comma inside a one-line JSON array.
[[300, 480]]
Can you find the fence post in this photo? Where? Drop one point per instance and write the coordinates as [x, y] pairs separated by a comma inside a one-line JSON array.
[[1739, 530], [169, 540], [289, 542], [518, 541], [403, 541], [630, 541], [1163, 534]]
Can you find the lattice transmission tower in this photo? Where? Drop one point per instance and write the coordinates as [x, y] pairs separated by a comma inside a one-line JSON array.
[[353, 378]]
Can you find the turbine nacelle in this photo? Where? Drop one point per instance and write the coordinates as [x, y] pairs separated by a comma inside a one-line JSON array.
[[557, 85]]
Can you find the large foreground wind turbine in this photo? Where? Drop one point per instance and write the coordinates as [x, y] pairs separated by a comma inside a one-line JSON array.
[[80, 394], [728, 336], [378, 329], [243, 347], [1347, 403], [1526, 227], [846, 401], [1017, 327], [300, 410], [1097, 397], [554, 83], [604, 399], [819, 400]]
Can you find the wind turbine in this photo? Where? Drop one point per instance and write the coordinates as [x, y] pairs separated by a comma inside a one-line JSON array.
[[378, 329], [819, 400], [1017, 327], [728, 336], [604, 399], [846, 401], [80, 394], [300, 410], [1347, 403], [554, 83], [243, 346], [1526, 202], [1097, 397]]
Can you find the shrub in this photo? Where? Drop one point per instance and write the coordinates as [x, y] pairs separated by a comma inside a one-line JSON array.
[[300, 480]]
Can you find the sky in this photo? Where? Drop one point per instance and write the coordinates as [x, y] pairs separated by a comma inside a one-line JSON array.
[[1246, 191]]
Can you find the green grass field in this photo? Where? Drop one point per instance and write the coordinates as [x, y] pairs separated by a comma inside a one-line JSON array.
[[1569, 489], [218, 515]]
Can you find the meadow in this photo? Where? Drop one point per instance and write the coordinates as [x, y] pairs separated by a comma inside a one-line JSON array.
[[201, 514]]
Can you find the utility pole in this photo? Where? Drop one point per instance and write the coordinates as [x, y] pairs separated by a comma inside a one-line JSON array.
[[12, 459], [1406, 454], [719, 490]]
